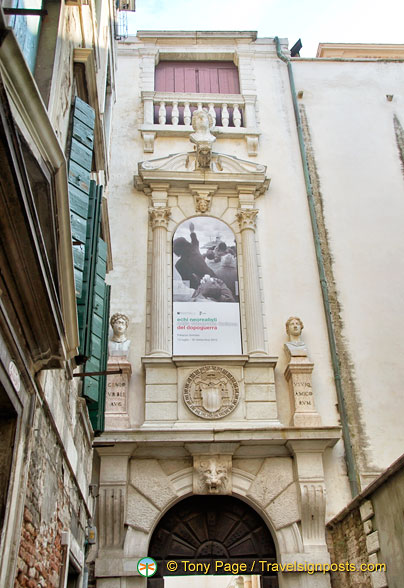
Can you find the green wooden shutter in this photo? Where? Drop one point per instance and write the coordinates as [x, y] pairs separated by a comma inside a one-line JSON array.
[[80, 158], [85, 206], [94, 386], [85, 302], [90, 261]]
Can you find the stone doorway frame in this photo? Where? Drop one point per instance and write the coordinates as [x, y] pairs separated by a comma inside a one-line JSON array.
[[216, 528]]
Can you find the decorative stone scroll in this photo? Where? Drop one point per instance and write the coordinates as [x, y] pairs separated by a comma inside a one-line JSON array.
[[212, 474], [159, 217], [313, 505], [211, 392], [247, 218], [220, 162], [298, 375]]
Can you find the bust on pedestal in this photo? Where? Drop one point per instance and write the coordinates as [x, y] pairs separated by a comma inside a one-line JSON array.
[[202, 123], [295, 346], [119, 343], [298, 375], [116, 401]]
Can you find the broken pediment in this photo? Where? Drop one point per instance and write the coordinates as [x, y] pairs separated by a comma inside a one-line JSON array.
[[183, 168], [188, 162]]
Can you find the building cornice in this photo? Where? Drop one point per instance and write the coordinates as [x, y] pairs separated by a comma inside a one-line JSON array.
[[361, 50], [196, 35]]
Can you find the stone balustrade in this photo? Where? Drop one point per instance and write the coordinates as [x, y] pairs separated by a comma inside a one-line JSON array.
[[177, 109], [167, 113]]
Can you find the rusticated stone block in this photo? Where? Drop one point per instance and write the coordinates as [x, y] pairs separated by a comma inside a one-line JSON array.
[[366, 510]]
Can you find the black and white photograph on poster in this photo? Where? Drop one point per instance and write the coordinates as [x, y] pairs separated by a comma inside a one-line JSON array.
[[204, 278]]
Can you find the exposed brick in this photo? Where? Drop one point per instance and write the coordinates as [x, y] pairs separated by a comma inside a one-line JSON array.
[[31, 530], [54, 566], [51, 500], [22, 579], [348, 543]]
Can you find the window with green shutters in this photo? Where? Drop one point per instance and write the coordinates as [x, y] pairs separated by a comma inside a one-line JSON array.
[[90, 261]]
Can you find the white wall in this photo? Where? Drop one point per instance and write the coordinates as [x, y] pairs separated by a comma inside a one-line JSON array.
[[351, 124]]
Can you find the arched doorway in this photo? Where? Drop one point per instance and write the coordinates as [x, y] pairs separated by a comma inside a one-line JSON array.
[[204, 529]]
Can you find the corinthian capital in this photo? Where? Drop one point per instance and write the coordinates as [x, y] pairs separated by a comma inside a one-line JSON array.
[[246, 218], [159, 217]]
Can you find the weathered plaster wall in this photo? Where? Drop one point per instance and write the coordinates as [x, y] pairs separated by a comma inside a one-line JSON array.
[[76, 31], [388, 501], [351, 125]]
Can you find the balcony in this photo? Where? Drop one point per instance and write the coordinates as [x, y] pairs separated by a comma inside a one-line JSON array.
[[169, 114]]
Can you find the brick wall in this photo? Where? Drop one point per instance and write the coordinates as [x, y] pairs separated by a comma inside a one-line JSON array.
[[52, 505], [347, 543]]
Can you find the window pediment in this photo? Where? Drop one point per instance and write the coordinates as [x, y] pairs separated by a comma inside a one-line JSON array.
[[226, 171]]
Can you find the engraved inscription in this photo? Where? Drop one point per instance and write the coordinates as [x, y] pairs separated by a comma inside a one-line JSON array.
[[116, 394]]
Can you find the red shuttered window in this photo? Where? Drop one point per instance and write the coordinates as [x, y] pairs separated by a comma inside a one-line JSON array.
[[203, 77], [196, 77]]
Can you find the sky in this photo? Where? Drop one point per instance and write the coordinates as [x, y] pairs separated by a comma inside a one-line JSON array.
[[314, 21]]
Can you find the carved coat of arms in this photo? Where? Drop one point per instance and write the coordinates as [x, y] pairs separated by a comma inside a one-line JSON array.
[[211, 392]]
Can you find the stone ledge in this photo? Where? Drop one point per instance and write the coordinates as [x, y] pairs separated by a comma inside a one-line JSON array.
[[186, 130], [259, 434]]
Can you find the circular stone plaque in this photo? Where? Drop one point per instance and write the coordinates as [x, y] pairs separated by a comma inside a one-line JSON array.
[[211, 392]]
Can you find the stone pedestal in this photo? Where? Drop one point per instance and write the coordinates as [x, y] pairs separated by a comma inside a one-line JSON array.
[[298, 375], [116, 397]]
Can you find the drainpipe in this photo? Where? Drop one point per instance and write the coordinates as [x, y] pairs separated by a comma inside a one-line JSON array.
[[349, 457]]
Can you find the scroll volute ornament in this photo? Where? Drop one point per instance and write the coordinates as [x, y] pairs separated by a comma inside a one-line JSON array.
[[159, 217], [247, 218]]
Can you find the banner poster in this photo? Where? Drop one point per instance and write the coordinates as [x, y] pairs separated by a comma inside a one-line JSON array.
[[206, 304]]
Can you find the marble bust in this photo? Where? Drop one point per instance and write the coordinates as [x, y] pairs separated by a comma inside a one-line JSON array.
[[295, 345], [119, 343], [202, 123]]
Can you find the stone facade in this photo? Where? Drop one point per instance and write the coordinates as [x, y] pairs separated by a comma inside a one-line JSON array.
[[285, 427], [236, 424]]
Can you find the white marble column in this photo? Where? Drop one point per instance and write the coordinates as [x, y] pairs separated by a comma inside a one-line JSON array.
[[252, 292], [159, 218]]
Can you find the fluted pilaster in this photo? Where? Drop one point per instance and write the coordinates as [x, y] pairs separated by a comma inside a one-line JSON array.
[[253, 307], [159, 218]]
